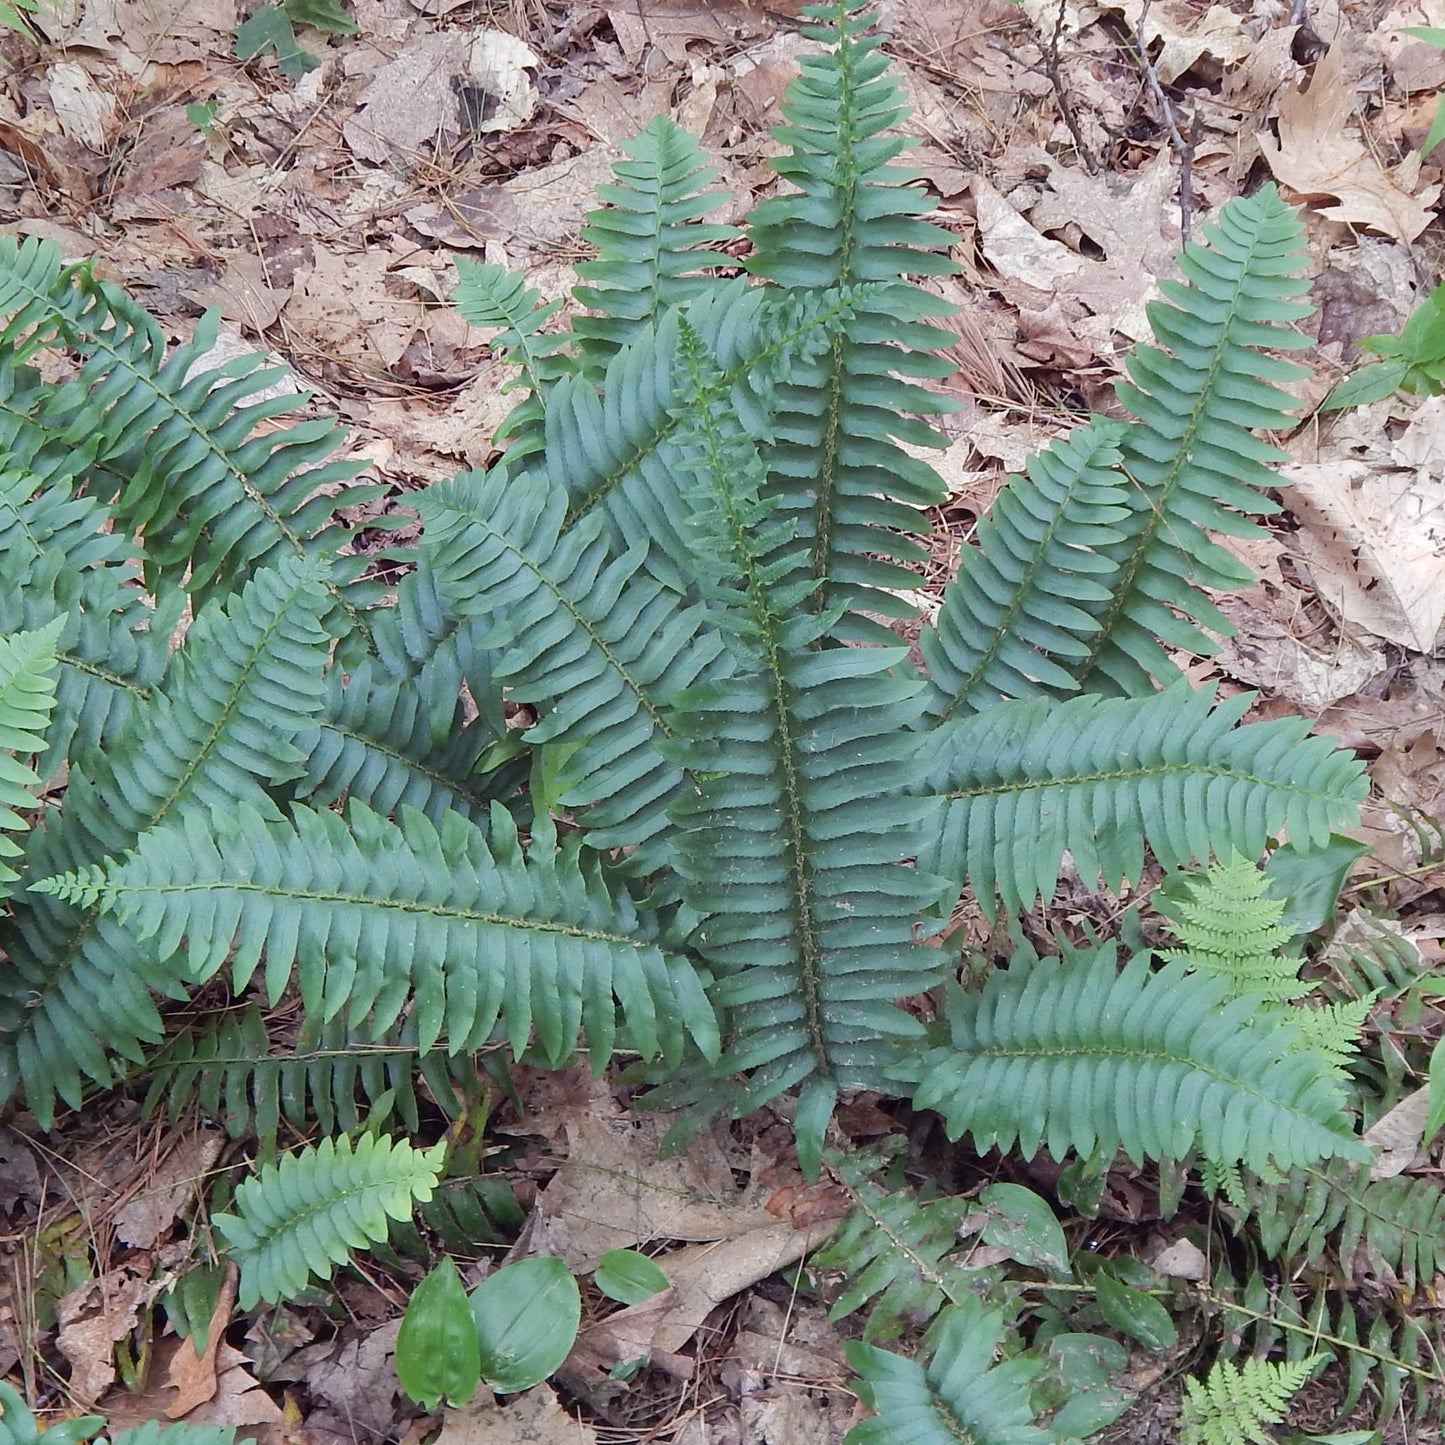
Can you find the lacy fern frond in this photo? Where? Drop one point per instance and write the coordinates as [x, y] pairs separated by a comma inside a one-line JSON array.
[[304, 1216], [1100, 777], [27, 696], [373, 916], [1192, 460], [835, 459], [1229, 927], [650, 245], [961, 1398], [1083, 1055], [900, 1253], [1236, 1402], [171, 440], [1015, 604]]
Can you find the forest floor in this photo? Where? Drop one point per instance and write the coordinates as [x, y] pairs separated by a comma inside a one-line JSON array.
[[321, 211]]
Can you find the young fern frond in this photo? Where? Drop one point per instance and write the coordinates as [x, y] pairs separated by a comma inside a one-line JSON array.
[[1085, 1056], [1235, 1403], [27, 695], [372, 916], [835, 459], [649, 242], [1192, 460], [304, 1216], [961, 1398], [492, 296], [1100, 777]]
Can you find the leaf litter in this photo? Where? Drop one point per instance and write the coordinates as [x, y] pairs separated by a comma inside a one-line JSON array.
[[320, 215]]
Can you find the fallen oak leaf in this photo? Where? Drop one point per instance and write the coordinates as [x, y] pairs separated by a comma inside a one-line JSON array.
[[192, 1375]]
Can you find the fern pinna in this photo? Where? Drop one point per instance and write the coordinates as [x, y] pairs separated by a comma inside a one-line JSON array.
[[734, 809]]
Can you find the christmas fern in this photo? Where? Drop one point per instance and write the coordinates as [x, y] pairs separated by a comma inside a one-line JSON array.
[[629, 761]]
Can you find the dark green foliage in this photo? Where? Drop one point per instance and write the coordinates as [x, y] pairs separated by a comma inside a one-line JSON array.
[[1026, 1064], [628, 761]]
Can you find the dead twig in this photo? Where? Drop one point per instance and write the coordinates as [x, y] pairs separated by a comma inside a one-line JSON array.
[[1051, 71], [1184, 147]]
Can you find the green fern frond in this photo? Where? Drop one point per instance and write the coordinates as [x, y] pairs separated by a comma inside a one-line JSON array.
[[304, 1216], [1393, 1228], [372, 916], [27, 696], [492, 296], [1334, 1029], [1082, 1055], [173, 441], [1235, 1403], [961, 1398], [1015, 603], [900, 1252], [836, 460], [243, 689], [649, 240], [1229, 927], [592, 640], [1193, 462], [1100, 777], [377, 746], [238, 1078], [788, 837]]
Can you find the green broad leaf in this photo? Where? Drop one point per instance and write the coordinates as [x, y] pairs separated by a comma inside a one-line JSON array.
[[527, 1315], [1370, 384], [1311, 882], [202, 114], [1134, 1313], [268, 31], [1026, 1226], [628, 1276], [438, 1354], [1435, 1113], [1348, 1437], [1078, 1381], [191, 1302], [325, 15]]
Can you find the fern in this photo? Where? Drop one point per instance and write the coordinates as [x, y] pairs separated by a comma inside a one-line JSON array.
[[1235, 1403], [1100, 777], [1066, 1054], [246, 685], [373, 916], [27, 694], [178, 439], [901, 1253], [301, 1217], [650, 249], [960, 1397]]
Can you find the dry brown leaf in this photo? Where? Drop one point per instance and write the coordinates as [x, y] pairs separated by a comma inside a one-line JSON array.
[[87, 112], [342, 307], [1316, 158], [614, 1192], [180, 1177], [239, 1399], [1372, 530], [193, 1376], [536, 1417], [1398, 1135], [93, 1317]]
